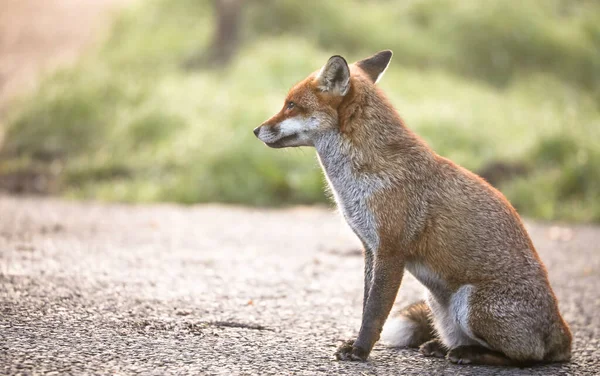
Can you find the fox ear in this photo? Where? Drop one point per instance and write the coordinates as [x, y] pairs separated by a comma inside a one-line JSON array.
[[334, 77], [376, 65]]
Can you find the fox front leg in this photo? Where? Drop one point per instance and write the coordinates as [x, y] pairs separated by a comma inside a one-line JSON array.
[[368, 275], [388, 268]]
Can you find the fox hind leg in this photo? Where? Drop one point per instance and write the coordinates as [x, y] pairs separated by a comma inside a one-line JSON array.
[[523, 324]]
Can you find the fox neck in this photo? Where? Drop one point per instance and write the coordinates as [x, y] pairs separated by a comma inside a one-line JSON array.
[[372, 163], [369, 152], [371, 140]]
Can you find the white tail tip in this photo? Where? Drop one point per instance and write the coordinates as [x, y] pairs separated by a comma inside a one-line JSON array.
[[398, 332]]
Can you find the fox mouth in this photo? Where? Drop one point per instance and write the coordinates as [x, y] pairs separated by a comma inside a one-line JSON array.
[[282, 142]]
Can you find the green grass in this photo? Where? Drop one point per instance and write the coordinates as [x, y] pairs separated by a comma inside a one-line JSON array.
[[479, 81]]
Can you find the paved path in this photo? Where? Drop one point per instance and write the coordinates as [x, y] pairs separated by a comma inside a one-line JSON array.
[[115, 289]]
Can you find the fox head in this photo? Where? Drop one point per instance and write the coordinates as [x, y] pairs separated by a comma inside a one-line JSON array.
[[311, 107]]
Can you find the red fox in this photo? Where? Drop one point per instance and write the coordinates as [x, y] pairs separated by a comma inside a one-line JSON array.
[[488, 296]]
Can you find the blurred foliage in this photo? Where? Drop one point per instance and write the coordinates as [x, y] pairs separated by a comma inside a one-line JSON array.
[[480, 81]]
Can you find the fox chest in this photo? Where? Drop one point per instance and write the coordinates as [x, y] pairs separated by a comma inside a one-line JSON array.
[[353, 200], [353, 191], [360, 218]]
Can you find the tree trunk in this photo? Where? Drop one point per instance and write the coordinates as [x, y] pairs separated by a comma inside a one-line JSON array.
[[226, 36]]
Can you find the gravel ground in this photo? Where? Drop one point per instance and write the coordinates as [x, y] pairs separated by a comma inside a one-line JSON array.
[[116, 289]]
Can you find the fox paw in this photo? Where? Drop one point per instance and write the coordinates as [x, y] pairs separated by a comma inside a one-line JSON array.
[[478, 355], [435, 348], [347, 351], [461, 355]]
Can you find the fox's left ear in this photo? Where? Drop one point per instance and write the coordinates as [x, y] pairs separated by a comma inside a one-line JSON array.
[[334, 77], [376, 65]]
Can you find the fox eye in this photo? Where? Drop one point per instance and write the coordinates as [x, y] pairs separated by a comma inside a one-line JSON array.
[[290, 105]]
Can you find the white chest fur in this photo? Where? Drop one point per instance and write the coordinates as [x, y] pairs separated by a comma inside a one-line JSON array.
[[351, 191]]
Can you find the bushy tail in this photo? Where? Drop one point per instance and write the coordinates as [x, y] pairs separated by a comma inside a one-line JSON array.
[[411, 327]]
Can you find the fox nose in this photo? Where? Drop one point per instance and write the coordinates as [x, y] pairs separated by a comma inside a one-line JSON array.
[[257, 131]]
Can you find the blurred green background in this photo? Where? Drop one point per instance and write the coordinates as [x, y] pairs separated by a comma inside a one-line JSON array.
[[163, 109]]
